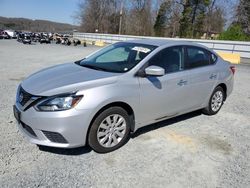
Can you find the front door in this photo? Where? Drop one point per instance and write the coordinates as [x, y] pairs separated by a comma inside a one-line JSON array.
[[165, 96]]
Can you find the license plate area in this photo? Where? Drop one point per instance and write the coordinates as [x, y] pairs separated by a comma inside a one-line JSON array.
[[17, 114]]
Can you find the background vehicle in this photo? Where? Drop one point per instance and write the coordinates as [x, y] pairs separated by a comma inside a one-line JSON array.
[[35, 37], [1, 34], [76, 42], [11, 33], [102, 98], [24, 38], [45, 40], [4, 35]]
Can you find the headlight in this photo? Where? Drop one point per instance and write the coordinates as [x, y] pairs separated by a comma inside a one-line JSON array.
[[59, 103]]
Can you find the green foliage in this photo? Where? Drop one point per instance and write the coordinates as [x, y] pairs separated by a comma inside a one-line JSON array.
[[234, 32], [243, 15], [160, 22], [10, 25], [185, 22], [192, 19]]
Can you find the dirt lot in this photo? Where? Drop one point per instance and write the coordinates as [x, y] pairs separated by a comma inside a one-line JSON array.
[[193, 150]]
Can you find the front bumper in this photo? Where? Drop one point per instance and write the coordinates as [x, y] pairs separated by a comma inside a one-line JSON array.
[[26, 41], [65, 129]]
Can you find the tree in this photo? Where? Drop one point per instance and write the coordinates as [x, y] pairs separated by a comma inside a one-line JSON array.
[[243, 15], [139, 18], [99, 15], [185, 20], [171, 18], [161, 19], [192, 19], [216, 22]]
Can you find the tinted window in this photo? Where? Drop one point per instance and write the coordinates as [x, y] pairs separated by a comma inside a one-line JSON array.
[[171, 59], [213, 58], [197, 57]]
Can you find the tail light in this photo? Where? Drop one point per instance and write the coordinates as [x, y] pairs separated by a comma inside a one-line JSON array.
[[233, 69]]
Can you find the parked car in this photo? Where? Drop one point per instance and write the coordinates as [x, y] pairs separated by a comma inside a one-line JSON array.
[[11, 33], [1, 34], [45, 40], [35, 37], [65, 41], [101, 99], [76, 42], [24, 38], [4, 35], [19, 37], [58, 40]]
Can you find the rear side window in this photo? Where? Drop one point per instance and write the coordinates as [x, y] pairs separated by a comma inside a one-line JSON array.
[[213, 58], [197, 57]]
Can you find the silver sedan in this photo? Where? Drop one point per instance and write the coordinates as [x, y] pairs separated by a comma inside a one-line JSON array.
[[102, 98]]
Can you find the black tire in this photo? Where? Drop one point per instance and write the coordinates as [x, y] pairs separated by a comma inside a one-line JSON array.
[[209, 110], [92, 136]]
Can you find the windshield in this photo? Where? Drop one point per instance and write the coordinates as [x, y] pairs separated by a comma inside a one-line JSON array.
[[119, 57]]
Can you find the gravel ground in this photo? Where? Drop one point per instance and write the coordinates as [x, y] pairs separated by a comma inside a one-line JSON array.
[[192, 150]]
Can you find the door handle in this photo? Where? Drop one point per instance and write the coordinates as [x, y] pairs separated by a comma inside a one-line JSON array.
[[213, 76], [182, 82]]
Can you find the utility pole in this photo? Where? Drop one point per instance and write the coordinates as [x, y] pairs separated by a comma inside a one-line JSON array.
[[120, 22]]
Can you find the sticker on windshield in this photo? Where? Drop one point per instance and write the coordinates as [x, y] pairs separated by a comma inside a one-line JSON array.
[[141, 49]]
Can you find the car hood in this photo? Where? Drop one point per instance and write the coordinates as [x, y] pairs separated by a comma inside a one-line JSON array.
[[66, 78]]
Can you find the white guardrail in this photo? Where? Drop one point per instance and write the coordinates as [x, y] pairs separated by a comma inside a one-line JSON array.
[[242, 48]]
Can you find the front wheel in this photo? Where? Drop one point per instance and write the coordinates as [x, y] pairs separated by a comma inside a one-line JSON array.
[[110, 130], [216, 101]]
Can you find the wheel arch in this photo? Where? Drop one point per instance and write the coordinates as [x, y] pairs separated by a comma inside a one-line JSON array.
[[224, 87], [121, 104]]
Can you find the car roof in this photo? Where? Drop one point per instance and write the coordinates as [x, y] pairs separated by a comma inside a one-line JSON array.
[[163, 42]]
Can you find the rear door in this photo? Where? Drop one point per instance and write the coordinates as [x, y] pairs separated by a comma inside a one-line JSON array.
[[203, 74]]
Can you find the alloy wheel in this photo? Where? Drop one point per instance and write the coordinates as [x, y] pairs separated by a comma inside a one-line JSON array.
[[111, 130], [217, 101]]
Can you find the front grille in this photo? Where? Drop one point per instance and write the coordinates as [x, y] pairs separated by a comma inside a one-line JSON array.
[[28, 129], [55, 137], [26, 100], [23, 96]]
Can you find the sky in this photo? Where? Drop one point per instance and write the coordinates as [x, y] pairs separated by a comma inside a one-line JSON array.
[[54, 10]]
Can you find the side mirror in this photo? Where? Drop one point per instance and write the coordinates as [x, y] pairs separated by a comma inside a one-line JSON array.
[[154, 71]]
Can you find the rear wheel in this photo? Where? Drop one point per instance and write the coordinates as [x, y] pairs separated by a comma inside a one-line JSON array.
[[110, 130], [216, 101]]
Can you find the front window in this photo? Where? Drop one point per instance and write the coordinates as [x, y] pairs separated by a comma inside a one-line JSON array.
[[120, 57], [171, 59]]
